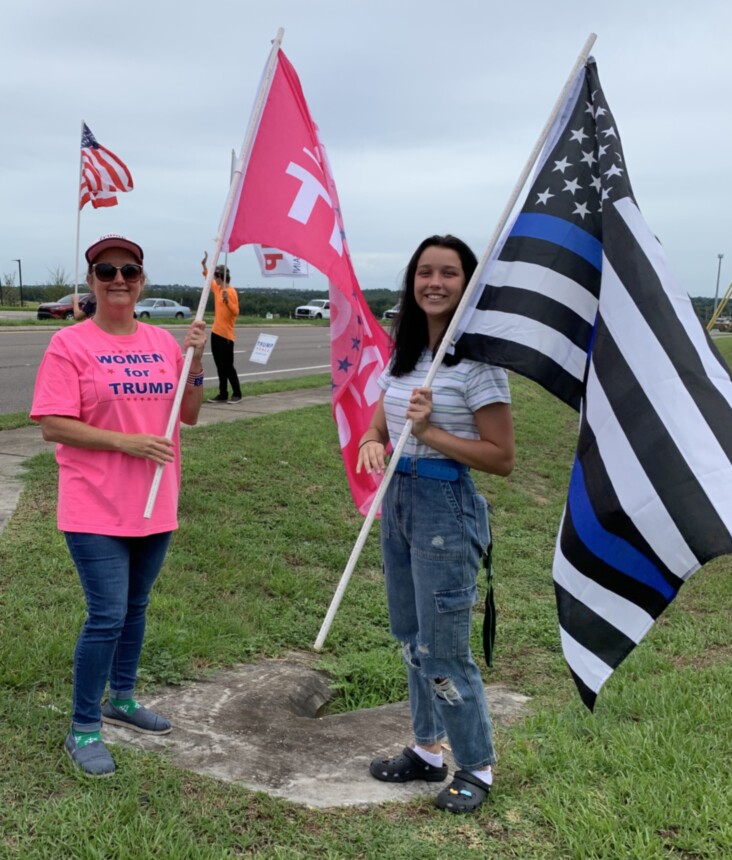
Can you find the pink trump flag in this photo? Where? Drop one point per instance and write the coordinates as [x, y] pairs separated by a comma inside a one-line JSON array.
[[287, 199]]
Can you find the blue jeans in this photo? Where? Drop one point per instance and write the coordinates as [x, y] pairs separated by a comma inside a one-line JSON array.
[[433, 534], [117, 575]]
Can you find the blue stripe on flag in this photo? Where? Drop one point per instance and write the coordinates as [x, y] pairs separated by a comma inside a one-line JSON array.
[[612, 549], [560, 232]]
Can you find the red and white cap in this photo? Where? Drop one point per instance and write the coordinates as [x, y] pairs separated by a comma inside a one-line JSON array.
[[112, 240]]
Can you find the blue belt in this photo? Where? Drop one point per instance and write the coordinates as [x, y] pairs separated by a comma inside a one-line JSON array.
[[431, 467]]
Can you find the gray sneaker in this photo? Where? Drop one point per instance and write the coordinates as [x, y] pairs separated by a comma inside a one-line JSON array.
[[92, 759], [141, 720]]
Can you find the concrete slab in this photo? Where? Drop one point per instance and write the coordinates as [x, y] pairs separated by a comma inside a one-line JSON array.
[[259, 726], [15, 447]]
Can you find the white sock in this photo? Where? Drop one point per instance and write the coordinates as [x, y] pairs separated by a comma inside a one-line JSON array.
[[435, 759], [485, 775]]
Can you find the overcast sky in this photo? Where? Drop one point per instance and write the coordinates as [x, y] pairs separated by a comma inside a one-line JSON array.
[[428, 110]]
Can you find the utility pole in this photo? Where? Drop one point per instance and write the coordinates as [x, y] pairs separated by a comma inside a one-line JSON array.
[[20, 281]]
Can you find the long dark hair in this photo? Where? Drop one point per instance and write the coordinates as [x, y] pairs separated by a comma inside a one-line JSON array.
[[410, 326]]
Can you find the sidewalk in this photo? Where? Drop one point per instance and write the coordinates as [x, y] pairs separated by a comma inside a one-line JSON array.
[[17, 445], [259, 724]]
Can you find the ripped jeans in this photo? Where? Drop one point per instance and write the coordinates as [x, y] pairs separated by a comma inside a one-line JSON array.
[[433, 533]]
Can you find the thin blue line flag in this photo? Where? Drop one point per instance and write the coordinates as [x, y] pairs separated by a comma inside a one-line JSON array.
[[579, 297]]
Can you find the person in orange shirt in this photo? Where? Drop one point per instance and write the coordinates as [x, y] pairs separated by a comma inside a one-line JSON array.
[[226, 310]]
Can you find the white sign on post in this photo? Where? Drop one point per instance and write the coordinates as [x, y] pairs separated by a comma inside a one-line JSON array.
[[263, 348]]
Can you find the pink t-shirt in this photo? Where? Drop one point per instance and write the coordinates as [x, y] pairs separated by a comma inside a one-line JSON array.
[[125, 383]]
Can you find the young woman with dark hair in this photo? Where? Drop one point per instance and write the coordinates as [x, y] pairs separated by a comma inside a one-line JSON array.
[[409, 330], [434, 526]]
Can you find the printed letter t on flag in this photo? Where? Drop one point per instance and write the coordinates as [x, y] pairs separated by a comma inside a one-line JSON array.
[[102, 173], [287, 200], [580, 298]]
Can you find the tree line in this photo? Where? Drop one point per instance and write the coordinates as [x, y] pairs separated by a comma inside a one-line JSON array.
[[253, 301]]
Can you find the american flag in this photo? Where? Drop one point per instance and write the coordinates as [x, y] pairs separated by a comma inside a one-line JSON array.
[[102, 173], [580, 298]]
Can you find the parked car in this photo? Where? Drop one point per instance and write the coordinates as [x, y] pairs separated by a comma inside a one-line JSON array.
[[723, 324], [63, 309], [391, 313], [158, 308], [315, 310]]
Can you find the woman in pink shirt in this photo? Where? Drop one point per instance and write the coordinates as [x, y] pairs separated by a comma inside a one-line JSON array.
[[104, 393]]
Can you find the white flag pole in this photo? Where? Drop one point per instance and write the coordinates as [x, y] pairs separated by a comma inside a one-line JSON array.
[[448, 338], [78, 213], [234, 188], [231, 179]]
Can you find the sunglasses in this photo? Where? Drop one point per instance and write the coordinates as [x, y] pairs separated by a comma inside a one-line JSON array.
[[108, 272]]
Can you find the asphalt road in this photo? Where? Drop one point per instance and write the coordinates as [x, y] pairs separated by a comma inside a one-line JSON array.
[[300, 350]]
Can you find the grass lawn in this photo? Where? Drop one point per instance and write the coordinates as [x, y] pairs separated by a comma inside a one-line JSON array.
[[267, 526]]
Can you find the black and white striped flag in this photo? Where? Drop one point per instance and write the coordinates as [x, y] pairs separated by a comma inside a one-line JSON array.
[[580, 299]]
